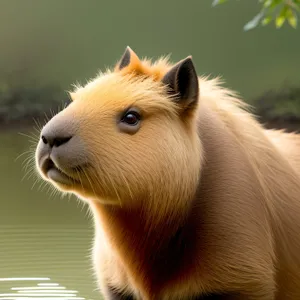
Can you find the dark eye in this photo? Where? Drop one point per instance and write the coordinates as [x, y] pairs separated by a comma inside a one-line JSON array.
[[130, 121], [131, 118]]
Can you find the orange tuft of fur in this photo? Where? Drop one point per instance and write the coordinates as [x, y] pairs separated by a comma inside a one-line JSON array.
[[154, 70], [201, 199]]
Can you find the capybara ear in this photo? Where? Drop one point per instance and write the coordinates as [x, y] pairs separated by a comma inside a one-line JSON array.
[[129, 59], [182, 81]]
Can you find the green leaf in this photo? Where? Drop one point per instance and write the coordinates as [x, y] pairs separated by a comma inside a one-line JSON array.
[[292, 18], [265, 21], [279, 21], [254, 22], [293, 22]]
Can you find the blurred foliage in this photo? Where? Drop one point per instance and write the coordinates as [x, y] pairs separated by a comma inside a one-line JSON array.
[[23, 104], [277, 11], [279, 105]]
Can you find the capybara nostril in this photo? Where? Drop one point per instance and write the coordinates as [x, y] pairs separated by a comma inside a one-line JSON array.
[[44, 140], [54, 140]]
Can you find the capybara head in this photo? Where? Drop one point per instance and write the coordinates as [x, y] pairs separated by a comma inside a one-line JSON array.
[[129, 137]]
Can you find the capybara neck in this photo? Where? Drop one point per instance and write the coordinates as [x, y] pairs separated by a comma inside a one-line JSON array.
[[154, 247]]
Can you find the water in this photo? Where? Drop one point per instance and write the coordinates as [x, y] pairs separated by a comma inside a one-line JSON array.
[[43, 288], [45, 240]]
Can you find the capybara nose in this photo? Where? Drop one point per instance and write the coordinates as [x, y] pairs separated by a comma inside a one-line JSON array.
[[54, 140], [60, 147], [57, 132]]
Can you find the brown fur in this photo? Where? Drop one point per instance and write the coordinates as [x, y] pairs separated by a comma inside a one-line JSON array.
[[207, 202]]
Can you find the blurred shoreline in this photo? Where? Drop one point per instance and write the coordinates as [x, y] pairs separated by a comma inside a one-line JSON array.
[[27, 108], [34, 124]]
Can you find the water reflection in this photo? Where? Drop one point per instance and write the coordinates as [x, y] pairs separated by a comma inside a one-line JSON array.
[[39, 291], [45, 241]]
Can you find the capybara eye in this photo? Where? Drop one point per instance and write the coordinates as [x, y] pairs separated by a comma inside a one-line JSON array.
[[131, 118]]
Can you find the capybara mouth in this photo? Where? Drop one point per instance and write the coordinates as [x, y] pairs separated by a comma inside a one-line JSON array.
[[52, 172]]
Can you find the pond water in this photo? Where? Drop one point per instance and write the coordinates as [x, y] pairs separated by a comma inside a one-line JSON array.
[[45, 240]]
